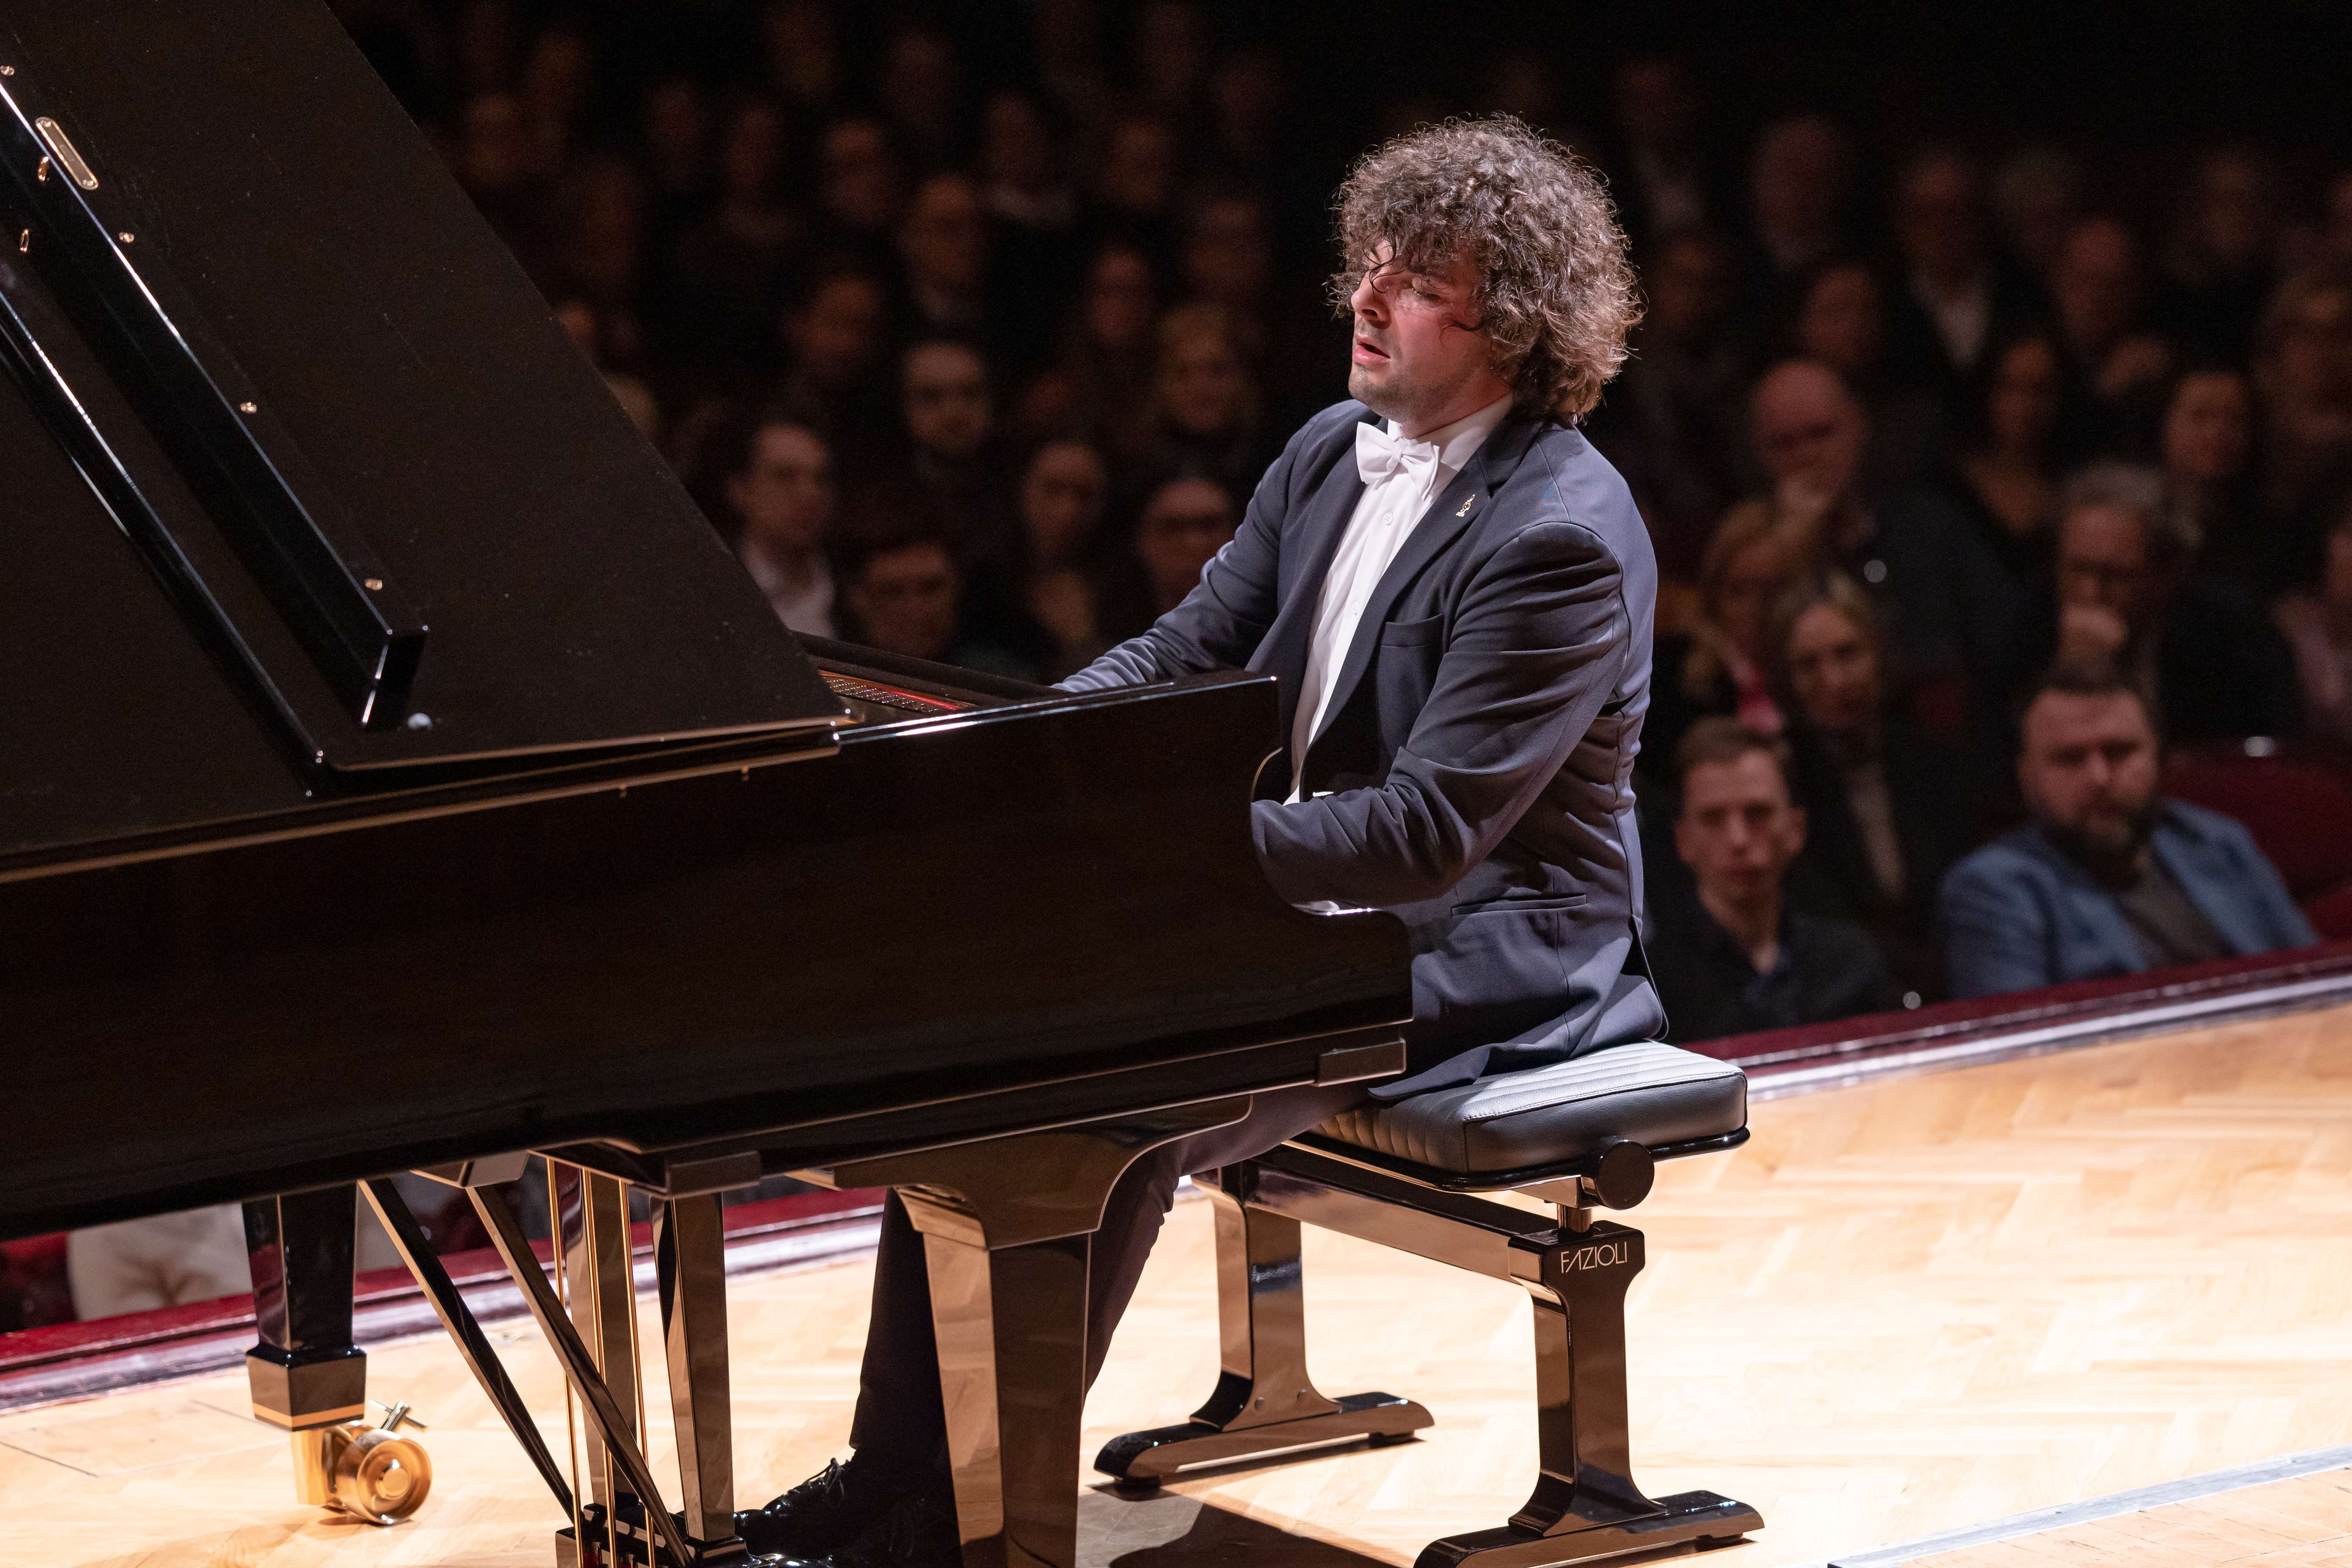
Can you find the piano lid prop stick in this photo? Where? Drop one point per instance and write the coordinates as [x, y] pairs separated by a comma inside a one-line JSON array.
[[579, 1366], [409, 1240]]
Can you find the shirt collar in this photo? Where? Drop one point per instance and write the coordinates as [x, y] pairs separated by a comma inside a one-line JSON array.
[[1458, 443]]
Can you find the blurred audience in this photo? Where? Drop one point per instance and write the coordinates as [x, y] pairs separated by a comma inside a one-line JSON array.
[[2108, 878], [1735, 954]]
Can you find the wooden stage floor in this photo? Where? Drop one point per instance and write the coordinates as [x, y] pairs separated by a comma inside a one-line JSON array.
[[1902, 1308]]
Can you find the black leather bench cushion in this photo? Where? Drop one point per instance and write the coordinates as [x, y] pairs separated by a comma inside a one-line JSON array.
[[1648, 1092]]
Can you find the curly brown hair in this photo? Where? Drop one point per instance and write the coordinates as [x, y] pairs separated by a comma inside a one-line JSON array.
[[1557, 297]]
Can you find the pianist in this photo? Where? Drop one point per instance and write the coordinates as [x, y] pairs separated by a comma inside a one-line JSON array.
[[1454, 591]]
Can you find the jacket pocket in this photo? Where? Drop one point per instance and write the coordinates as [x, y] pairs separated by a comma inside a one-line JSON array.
[[1508, 904], [1412, 634]]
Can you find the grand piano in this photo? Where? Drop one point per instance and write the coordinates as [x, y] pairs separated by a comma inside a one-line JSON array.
[[399, 776]]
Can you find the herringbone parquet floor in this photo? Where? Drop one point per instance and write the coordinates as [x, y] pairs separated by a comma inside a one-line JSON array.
[[1901, 1308]]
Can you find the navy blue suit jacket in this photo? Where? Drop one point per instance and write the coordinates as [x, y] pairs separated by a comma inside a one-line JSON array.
[[1474, 770], [2017, 914]]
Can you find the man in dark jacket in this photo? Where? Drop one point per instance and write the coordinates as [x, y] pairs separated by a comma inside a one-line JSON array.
[[1735, 955], [1456, 599], [2109, 878], [2125, 597]]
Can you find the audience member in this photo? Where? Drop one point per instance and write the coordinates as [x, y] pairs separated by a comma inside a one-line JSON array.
[[782, 496], [1665, 185], [1033, 215], [725, 273], [2008, 473], [1735, 954], [1944, 602], [949, 406], [1884, 800], [1954, 304], [1104, 378], [838, 383], [2037, 197], [1209, 413], [2108, 877], [859, 191], [1715, 665], [2220, 264], [588, 327], [1059, 591], [1671, 420], [2125, 597], [1184, 522], [943, 259], [1841, 324], [2206, 445], [2115, 368], [1798, 187], [903, 593], [2304, 370], [2318, 626]]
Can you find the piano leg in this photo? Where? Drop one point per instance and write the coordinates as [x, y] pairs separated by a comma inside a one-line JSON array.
[[1007, 1229], [592, 1214], [305, 1374], [690, 1262]]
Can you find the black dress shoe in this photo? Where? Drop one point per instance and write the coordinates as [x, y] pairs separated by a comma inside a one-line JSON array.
[[828, 1509], [919, 1530]]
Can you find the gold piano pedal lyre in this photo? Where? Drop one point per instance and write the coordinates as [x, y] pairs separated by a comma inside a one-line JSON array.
[[371, 1472]]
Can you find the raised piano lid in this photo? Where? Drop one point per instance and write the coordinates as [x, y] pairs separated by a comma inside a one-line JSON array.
[[265, 291]]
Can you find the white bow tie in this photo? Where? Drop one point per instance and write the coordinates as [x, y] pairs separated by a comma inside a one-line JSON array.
[[1380, 454]]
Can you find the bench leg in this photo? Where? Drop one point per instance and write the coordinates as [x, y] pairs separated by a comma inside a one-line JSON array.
[[1263, 1402], [1586, 1504]]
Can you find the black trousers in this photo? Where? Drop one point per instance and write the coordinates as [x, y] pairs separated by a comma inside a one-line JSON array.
[[900, 1418]]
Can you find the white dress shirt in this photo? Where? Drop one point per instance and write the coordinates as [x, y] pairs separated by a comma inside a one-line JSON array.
[[1396, 494]]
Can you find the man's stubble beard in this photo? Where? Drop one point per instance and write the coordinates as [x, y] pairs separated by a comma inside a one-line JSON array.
[[2107, 847], [1401, 402]]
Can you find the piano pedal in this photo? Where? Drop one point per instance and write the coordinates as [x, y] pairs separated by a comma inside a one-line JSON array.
[[369, 1472]]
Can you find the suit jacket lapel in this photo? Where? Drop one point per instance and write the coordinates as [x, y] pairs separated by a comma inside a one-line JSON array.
[[1473, 488], [1282, 652]]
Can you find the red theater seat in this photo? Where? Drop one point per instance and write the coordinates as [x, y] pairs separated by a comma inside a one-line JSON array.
[[2298, 806]]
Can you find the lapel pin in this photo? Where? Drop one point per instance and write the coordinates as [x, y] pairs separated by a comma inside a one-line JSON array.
[[1467, 503]]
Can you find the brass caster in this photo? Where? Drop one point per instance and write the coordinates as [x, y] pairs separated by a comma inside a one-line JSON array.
[[369, 1472], [381, 1478]]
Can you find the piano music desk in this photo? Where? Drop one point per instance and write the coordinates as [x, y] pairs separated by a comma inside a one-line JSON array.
[[1904, 1308]]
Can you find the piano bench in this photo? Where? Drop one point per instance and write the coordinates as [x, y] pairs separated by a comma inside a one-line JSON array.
[[1579, 1135]]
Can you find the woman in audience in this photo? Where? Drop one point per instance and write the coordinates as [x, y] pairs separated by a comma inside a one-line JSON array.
[[2205, 440], [1054, 602], [1719, 666], [1883, 797], [2009, 477], [2318, 621]]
